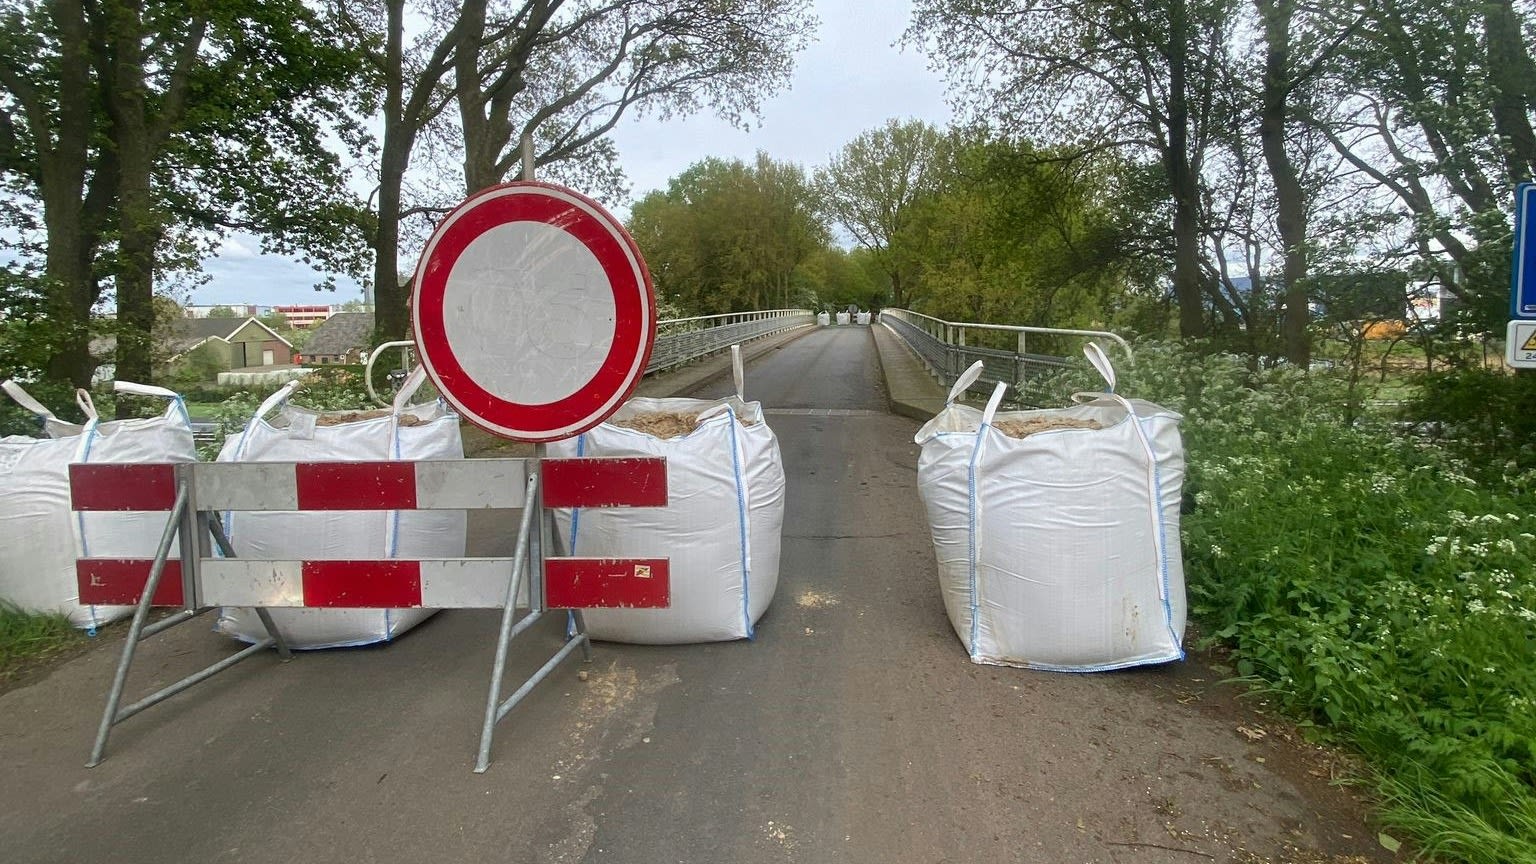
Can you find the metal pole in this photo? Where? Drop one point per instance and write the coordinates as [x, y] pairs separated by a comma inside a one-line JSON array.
[[194, 679], [538, 676], [509, 611], [156, 570], [525, 143]]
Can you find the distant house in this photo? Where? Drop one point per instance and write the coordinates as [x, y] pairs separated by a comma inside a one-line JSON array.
[[204, 347], [225, 344], [343, 338]]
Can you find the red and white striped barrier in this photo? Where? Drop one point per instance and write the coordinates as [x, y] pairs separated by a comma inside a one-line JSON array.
[[446, 583], [197, 581]]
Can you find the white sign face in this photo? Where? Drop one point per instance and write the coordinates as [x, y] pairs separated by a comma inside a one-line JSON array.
[[533, 311], [1520, 344], [535, 281]]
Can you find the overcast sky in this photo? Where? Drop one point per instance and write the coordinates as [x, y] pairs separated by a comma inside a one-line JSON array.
[[852, 79]]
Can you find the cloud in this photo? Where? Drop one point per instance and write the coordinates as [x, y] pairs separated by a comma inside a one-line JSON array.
[[235, 248], [851, 80]]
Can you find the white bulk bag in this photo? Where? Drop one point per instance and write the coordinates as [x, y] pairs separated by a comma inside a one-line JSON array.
[[294, 436], [42, 537], [1060, 550], [842, 318], [721, 528], [823, 319], [861, 318]]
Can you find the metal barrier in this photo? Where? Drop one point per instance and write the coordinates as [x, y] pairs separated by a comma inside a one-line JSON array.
[[680, 340], [195, 579], [948, 348]]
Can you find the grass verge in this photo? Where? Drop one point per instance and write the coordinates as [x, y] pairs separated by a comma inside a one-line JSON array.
[[27, 640]]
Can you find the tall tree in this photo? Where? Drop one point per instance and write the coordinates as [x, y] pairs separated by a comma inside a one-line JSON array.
[[148, 125], [563, 72], [1100, 74], [1013, 235], [871, 186], [730, 236]]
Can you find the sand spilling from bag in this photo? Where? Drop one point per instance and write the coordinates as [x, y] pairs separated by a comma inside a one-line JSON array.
[[664, 424], [1026, 428], [358, 416]]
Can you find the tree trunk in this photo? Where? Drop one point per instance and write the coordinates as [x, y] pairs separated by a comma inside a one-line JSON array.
[[1514, 88], [1290, 200], [1182, 181], [71, 287], [138, 227], [391, 319], [482, 141]]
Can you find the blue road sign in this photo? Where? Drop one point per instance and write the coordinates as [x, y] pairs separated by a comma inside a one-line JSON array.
[[1522, 283]]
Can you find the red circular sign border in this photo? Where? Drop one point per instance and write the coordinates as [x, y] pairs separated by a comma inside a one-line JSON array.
[[635, 296]]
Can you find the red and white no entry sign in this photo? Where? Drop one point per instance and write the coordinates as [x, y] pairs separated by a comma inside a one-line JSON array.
[[533, 311]]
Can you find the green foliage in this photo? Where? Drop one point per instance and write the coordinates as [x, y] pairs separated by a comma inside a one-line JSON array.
[[1485, 416], [871, 188], [25, 636], [1014, 235], [728, 236], [1369, 584]]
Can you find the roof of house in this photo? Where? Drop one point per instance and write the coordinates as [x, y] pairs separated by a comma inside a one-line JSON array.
[[188, 333], [340, 333]]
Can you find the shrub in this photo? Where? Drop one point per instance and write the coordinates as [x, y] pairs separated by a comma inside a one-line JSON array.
[[1371, 584]]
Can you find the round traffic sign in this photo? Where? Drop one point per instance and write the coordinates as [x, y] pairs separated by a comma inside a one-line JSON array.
[[533, 311]]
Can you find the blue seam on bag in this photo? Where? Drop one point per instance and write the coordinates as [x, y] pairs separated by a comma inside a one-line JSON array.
[[970, 482], [741, 520], [1162, 538]]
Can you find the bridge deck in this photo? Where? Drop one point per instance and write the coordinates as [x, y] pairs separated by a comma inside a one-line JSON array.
[[854, 729]]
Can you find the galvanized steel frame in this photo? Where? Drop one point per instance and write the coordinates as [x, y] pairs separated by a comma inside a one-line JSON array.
[[195, 528], [942, 347]]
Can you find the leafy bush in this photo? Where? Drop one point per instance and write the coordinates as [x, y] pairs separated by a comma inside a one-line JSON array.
[[1370, 584], [1486, 416], [328, 388]]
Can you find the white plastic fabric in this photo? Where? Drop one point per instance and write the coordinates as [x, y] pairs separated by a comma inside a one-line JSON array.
[[40, 535], [293, 436], [861, 318], [842, 318], [823, 319], [1059, 551], [721, 528]]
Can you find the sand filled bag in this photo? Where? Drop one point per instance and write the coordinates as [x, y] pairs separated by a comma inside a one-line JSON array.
[[42, 536], [283, 432], [721, 528], [1057, 531]]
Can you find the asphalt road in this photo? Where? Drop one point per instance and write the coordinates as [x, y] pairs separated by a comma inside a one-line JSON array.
[[854, 729]]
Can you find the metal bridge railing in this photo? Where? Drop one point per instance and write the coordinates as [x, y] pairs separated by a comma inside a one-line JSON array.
[[680, 340], [1037, 378]]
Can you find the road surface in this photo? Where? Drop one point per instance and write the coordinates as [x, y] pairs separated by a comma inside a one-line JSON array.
[[854, 729]]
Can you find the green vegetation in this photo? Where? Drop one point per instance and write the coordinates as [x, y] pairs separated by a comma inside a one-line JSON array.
[[27, 638], [1263, 185], [1377, 586]]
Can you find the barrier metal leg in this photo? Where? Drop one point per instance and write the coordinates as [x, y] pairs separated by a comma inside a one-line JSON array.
[[136, 629], [581, 632], [508, 612], [190, 524]]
